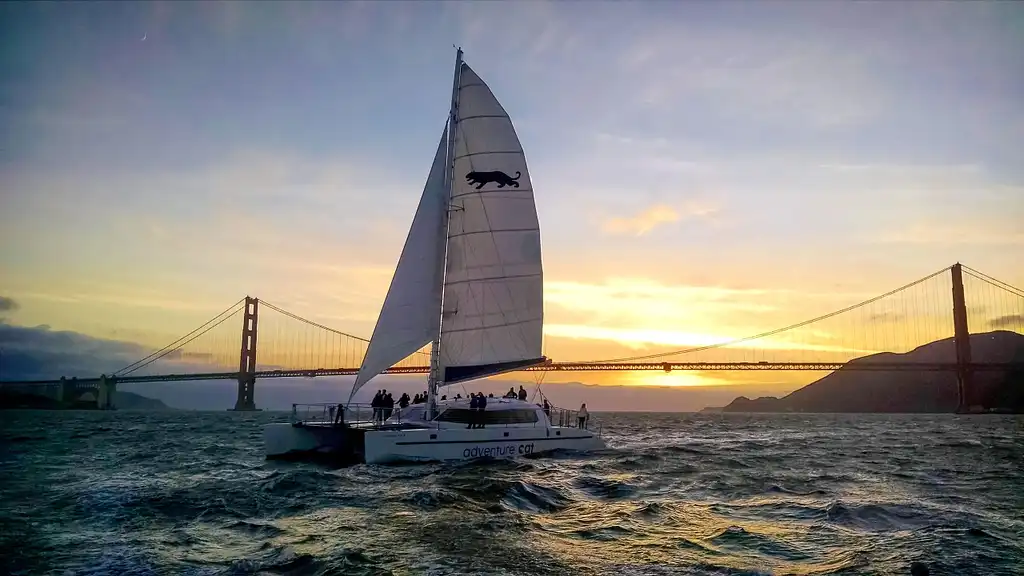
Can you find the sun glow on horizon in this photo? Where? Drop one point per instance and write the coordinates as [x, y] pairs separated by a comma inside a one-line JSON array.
[[643, 338], [672, 379]]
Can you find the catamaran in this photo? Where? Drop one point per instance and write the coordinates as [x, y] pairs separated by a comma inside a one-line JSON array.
[[469, 282]]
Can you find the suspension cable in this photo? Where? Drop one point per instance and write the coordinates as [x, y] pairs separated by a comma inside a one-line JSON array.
[[771, 332], [994, 281], [318, 325], [177, 343], [158, 355]]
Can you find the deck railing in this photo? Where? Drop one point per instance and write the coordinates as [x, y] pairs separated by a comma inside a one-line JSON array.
[[568, 418], [339, 414], [331, 413]]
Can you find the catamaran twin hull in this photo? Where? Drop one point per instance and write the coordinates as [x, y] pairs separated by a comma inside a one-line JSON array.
[[512, 429], [350, 443]]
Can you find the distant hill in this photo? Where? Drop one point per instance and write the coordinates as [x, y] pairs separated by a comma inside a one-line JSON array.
[[133, 401], [847, 390], [122, 401]]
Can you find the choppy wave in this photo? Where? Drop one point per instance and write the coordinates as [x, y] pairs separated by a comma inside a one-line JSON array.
[[190, 493]]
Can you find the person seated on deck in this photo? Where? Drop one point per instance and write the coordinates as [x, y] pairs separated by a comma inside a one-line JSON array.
[[522, 393], [582, 416], [511, 393]]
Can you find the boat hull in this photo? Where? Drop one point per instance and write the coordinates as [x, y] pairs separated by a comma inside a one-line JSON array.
[[426, 445], [288, 441]]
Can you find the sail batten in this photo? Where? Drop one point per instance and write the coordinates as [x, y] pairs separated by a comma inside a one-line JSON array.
[[410, 318]]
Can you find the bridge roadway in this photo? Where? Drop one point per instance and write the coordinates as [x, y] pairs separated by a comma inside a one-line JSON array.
[[859, 366]]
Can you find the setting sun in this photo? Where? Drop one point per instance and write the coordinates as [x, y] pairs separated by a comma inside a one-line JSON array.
[[675, 378]]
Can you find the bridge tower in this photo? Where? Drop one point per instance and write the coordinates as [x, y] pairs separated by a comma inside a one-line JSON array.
[[962, 340], [246, 401]]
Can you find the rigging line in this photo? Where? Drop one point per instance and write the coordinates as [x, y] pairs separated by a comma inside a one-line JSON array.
[[222, 320], [176, 342], [772, 332], [991, 280]]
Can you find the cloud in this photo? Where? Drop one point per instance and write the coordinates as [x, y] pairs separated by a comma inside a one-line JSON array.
[[624, 314], [884, 317], [1008, 321], [639, 339], [7, 304], [653, 217], [37, 353], [956, 234], [40, 353]]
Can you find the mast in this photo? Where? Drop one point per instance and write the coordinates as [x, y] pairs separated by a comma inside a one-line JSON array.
[[435, 348]]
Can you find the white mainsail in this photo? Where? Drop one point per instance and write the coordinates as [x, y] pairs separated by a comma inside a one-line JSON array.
[[492, 283], [493, 287], [410, 316]]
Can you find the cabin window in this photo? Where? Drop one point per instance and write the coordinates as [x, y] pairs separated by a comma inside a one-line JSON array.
[[491, 417]]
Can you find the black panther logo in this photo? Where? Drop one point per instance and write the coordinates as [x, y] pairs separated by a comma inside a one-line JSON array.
[[498, 177]]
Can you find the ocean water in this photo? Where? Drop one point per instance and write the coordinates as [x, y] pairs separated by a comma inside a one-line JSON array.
[[190, 493]]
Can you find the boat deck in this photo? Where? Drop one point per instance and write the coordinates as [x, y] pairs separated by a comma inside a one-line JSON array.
[[365, 417]]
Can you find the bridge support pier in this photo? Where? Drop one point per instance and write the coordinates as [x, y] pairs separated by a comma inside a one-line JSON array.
[[962, 340], [65, 391], [246, 400], [105, 392]]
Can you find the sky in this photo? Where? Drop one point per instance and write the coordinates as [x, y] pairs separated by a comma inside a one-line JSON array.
[[702, 170]]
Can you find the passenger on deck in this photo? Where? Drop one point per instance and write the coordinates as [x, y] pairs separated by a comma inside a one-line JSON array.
[[474, 402], [481, 409], [376, 404], [511, 393], [404, 400], [522, 393], [547, 409], [582, 416], [389, 406]]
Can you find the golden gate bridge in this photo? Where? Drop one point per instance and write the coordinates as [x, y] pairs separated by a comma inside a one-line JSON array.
[[276, 343]]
